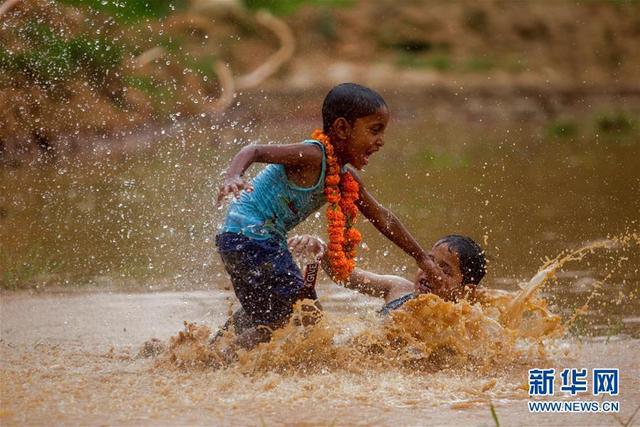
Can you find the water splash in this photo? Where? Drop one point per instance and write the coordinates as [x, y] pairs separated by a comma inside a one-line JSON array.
[[428, 333], [512, 316]]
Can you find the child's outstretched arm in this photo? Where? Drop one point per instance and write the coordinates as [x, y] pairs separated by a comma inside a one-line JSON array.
[[366, 282], [294, 155], [391, 227], [369, 283]]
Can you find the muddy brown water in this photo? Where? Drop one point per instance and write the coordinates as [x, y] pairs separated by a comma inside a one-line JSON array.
[[96, 240], [71, 358]]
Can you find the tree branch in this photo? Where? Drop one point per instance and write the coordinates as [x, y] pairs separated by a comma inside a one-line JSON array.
[[275, 61], [7, 6]]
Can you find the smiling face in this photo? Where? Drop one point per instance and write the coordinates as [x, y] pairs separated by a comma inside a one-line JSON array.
[[451, 287], [365, 137]]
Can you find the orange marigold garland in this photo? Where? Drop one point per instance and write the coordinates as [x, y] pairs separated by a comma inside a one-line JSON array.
[[341, 190]]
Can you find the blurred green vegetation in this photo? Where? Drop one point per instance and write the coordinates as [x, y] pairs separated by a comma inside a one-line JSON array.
[[327, 25], [562, 128], [162, 94], [51, 59], [202, 65], [438, 61], [429, 159], [130, 10], [619, 125], [616, 122], [92, 44]]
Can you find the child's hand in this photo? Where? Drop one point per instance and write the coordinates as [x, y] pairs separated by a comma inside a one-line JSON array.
[[235, 185], [433, 272], [311, 245]]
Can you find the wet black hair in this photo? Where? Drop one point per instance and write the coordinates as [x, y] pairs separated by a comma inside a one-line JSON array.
[[473, 264], [351, 101]]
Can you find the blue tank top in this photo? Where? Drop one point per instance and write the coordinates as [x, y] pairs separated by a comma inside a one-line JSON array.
[[275, 205]]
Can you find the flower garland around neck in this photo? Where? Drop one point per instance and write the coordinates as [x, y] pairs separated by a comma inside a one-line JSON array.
[[341, 190]]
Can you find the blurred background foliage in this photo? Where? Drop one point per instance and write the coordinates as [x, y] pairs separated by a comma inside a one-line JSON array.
[[104, 67], [128, 11]]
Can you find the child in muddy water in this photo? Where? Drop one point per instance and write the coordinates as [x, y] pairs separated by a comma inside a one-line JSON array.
[[299, 179], [461, 260]]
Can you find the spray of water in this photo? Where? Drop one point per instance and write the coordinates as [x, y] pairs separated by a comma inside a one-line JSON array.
[[428, 333]]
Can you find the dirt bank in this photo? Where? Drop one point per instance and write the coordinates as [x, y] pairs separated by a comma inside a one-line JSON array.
[[72, 73]]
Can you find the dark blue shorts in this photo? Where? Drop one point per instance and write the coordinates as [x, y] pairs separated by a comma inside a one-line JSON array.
[[265, 277]]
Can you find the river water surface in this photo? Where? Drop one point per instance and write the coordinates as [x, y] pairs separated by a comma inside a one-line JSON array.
[[117, 249]]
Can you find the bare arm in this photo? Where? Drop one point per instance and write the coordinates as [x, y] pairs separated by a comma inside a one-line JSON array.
[[376, 285], [365, 282], [368, 283], [295, 155], [390, 226]]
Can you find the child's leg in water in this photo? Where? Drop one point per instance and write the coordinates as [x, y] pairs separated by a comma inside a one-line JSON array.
[[238, 323], [267, 282], [248, 336]]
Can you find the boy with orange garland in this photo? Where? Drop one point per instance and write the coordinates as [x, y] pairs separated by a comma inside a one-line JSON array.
[[300, 178]]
